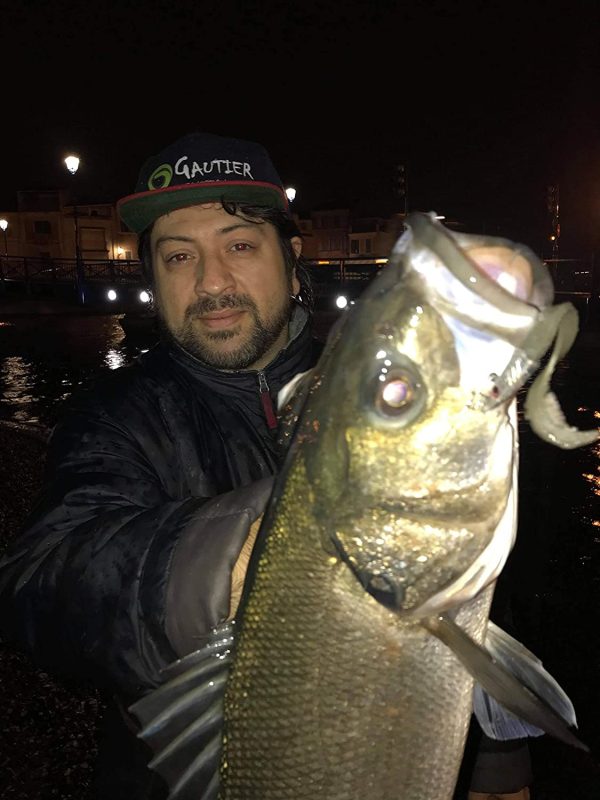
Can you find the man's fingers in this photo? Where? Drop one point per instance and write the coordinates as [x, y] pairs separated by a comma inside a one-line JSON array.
[[238, 576]]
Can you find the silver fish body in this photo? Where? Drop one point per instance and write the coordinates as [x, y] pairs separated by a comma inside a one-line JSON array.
[[390, 521]]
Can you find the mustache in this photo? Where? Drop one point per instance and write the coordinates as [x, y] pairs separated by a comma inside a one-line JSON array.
[[208, 305]]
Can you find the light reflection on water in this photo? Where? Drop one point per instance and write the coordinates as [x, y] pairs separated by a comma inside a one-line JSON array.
[[44, 360], [594, 481], [114, 359], [16, 377]]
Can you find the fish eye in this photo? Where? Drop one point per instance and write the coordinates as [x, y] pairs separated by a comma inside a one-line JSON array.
[[397, 392]]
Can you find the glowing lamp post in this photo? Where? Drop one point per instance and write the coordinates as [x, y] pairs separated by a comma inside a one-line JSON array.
[[72, 164], [3, 227], [290, 193]]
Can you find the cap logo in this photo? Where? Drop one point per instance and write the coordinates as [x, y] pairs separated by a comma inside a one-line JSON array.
[[161, 177], [214, 170]]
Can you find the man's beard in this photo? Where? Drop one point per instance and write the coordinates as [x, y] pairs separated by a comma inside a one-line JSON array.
[[204, 346]]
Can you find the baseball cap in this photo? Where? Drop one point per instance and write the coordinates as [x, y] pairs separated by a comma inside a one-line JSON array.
[[200, 168]]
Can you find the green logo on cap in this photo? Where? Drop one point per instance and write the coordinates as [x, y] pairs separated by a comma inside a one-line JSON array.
[[161, 177]]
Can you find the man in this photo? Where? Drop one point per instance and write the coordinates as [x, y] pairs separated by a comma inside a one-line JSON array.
[[156, 480]]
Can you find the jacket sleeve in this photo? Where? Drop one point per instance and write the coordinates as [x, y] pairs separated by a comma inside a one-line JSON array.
[[112, 579]]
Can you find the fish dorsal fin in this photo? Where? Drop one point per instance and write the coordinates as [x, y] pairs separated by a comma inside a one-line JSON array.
[[182, 720], [512, 676]]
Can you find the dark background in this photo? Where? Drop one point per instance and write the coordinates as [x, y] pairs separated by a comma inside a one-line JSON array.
[[486, 103]]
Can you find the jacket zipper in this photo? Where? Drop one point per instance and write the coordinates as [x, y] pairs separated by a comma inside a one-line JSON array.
[[267, 402]]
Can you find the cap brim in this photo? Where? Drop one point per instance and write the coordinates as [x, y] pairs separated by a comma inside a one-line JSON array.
[[138, 211]]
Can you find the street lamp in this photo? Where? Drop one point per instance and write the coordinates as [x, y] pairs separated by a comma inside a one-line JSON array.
[[290, 193], [72, 163], [3, 226]]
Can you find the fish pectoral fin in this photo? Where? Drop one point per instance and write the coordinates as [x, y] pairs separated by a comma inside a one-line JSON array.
[[527, 667], [498, 723], [182, 720], [513, 677]]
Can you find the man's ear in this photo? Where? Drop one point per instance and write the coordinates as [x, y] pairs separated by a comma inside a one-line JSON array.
[[296, 243]]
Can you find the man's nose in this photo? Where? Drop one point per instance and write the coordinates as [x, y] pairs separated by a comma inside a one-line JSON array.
[[214, 276]]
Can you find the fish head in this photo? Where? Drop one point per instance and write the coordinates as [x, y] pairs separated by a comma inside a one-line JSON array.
[[409, 431]]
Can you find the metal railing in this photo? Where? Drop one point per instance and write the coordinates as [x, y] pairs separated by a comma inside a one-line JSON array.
[[571, 275], [62, 270]]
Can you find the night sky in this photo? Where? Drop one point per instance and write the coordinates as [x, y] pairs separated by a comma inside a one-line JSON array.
[[486, 103]]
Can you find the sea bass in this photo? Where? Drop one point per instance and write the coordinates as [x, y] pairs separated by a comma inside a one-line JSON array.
[[350, 668]]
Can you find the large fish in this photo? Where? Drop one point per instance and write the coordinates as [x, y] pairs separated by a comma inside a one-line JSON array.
[[349, 670]]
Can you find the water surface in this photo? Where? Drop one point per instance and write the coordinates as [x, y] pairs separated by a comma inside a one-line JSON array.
[[45, 358]]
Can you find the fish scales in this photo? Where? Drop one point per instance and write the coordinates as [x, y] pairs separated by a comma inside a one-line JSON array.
[[400, 696], [364, 618]]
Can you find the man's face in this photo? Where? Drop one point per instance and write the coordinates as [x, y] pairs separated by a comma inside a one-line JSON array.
[[221, 285]]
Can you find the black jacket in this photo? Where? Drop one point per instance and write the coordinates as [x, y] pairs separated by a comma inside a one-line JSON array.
[[153, 480]]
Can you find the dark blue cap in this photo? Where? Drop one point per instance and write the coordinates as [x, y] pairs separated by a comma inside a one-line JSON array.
[[201, 168]]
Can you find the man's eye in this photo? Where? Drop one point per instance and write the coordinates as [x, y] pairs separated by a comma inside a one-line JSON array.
[[177, 258], [242, 247]]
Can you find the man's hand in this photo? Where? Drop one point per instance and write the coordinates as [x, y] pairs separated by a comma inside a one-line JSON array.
[[238, 576]]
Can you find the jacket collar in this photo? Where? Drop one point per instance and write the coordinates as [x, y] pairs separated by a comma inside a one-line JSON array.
[[294, 357]]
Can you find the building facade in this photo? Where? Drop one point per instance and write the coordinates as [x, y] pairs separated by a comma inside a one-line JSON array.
[[46, 226]]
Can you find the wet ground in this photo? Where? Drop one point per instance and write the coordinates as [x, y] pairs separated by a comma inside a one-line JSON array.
[[48, 730], [549, 594]]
